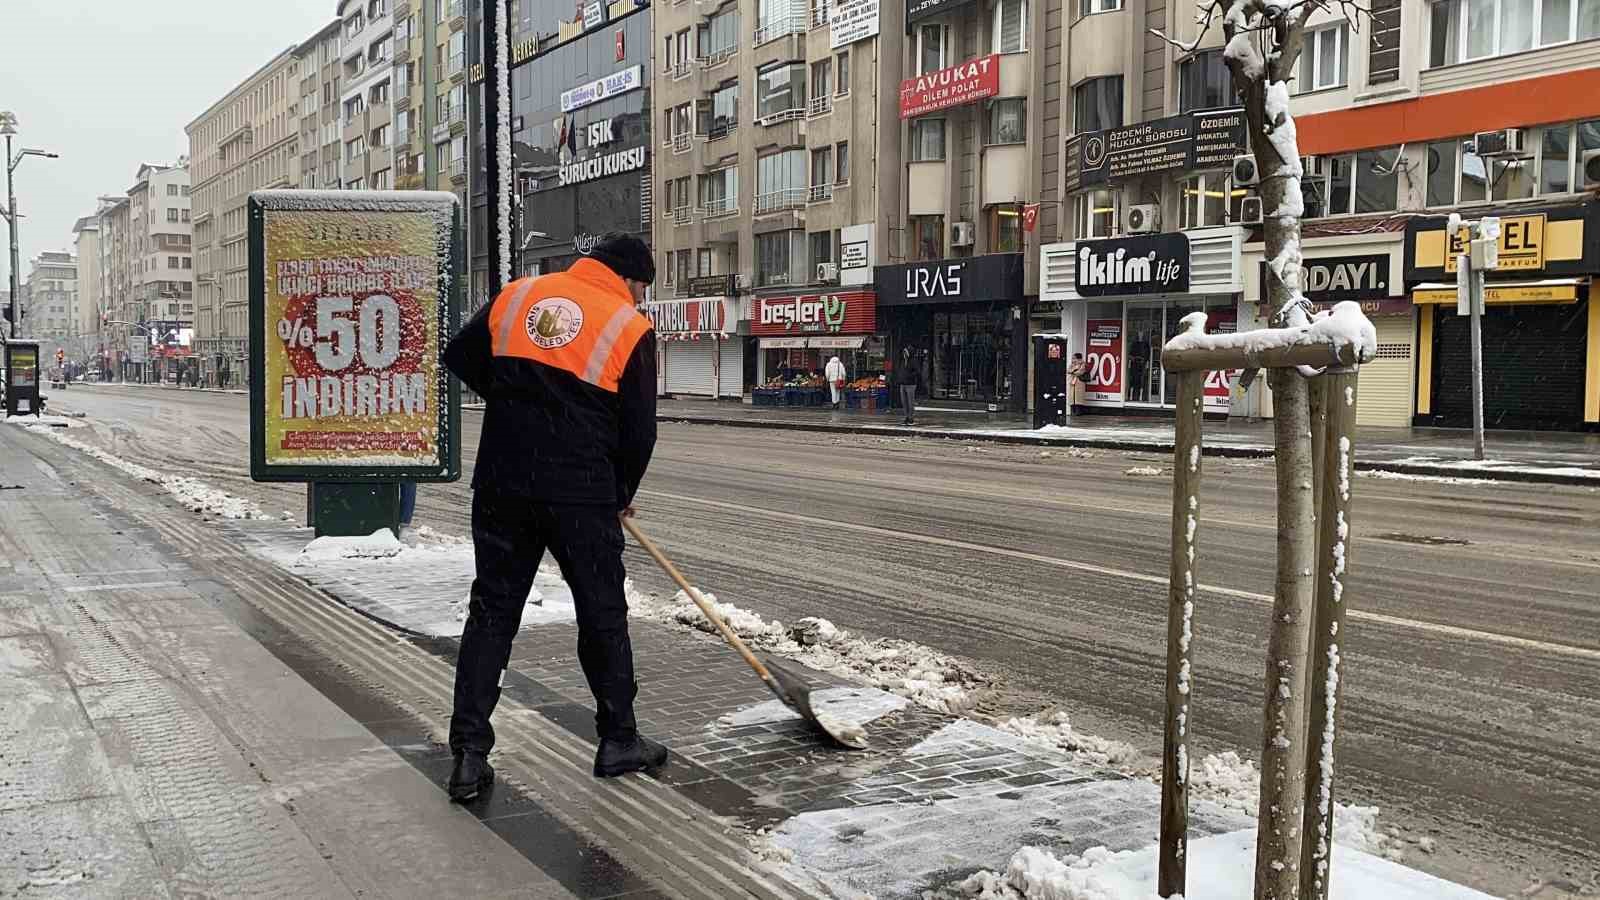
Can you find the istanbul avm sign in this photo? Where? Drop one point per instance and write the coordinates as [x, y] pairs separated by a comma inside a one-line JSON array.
[[960, 84]]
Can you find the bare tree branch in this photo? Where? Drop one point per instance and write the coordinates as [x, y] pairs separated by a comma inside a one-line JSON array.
[[1208, 12]]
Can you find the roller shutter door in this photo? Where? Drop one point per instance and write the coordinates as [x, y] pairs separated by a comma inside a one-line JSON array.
[[732, 375], [1386, 394], [1533, 366], [689, 366]]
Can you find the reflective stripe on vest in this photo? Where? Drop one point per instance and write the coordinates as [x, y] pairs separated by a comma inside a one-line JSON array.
[[584, 324]]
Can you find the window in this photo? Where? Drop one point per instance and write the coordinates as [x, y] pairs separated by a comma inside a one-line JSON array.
[[185, 191], [720, 34], [821, 78], [723, 110], [1511, 179], [1097, 213], [841, 157], [354, 150], [821, 166], [188, 262], [1463, 30], [821, 248], [352, 108], [682, 120], [378, 94], [1442, 172], [1097, 104], [1365, 182], [172, 190], [1204, 82], [1005, 228], [1008, 121], [1555, 160], [927, 237], [1010, 26], [669, 270], [1322, 60], [780, 89], [930, 48], [1209, 199], [183, 215], [780, 180], [356, 184], [379, 136], [172, 262], [927, 140], [719, 191], [1090, 7], [779, 255], [1378, 180], [380, 180]]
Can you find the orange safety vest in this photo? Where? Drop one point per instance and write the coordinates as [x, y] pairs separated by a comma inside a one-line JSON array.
[[581, 321]]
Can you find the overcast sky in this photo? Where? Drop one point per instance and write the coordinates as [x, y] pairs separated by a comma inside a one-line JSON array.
[[109, 84]]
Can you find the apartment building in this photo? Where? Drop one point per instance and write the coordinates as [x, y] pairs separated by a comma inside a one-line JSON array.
[[248, 140], [49, 307], [116, 274], [774, 182], [1482, 108], [366, 98], [321, 141], [161, 254], [86, 247]]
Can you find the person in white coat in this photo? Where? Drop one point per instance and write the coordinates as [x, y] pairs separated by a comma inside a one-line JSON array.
[[835, 375]]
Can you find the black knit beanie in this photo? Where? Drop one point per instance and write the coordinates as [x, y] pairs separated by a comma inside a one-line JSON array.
[[625, 255]]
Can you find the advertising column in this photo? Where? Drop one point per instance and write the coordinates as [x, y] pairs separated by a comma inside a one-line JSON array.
[[352, 296]]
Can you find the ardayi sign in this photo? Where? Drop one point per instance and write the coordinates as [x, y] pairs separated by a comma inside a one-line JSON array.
[[1150, 264], [352, 297]]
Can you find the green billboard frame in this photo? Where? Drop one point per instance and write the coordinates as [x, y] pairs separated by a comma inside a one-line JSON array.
[[446, 389]]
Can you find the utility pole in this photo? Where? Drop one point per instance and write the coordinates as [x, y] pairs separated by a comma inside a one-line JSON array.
[[8, 127], [1482, 252]]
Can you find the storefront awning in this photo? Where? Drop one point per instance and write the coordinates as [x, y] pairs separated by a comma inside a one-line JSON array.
[[1548, 290], [815, 342]]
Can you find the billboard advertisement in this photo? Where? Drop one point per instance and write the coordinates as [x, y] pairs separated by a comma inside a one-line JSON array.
[[351, 302]]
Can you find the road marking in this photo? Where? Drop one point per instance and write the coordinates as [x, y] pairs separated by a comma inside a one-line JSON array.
[[1252, 596], [123, 586]]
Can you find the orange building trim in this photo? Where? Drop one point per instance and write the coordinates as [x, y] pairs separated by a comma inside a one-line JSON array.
[[1559, 97]]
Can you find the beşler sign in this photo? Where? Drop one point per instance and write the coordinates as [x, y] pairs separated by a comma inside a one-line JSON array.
[[1150, 264], [1190, 142], [851, 21], [954, 86], [629, 79], [850, 312], [351, 300]]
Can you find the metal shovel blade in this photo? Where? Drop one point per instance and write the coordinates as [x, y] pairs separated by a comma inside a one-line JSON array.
[[795, 692]]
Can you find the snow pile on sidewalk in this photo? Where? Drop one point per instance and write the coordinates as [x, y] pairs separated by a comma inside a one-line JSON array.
[[40, 421], [920, 674], [1057, 731], [1220, 867], [380, 544], [193, 494]]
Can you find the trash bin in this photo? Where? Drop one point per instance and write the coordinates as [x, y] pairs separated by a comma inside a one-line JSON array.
[[1049, 380]]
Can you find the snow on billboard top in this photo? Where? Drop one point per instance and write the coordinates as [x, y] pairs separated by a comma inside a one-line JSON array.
[[350, 307]]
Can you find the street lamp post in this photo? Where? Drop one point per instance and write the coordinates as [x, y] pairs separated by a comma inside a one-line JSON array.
[[8, 127]]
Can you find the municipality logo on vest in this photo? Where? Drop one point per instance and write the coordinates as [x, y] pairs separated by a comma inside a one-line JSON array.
[[554, 322]]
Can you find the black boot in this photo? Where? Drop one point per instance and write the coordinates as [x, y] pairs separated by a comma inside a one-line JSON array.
[[619, 756], [472, 776]]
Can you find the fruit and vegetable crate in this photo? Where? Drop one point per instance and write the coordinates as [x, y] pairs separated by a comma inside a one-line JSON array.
[[768, 397]]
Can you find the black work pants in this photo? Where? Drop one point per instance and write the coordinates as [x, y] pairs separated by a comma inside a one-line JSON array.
[[509, 538]]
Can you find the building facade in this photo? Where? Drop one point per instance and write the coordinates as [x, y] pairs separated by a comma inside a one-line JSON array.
[[50, 304], [161, 256], [86, 247], [366, 95], [246, 141], [1425, 112], [321, 143]]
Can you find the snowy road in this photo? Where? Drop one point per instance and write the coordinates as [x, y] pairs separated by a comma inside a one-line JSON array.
[[1472, 702]]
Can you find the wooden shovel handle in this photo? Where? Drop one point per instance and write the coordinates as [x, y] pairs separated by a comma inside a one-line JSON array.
[[673, 573]]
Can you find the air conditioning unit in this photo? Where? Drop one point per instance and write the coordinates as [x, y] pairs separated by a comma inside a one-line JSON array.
[[1314, 166], [1142, 218], [827, 272], [961, 234], [1245, 171], [1250, 211], [1591, 170], [1508, 142]]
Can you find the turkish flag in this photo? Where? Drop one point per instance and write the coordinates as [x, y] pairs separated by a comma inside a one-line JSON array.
[[1030, 216]]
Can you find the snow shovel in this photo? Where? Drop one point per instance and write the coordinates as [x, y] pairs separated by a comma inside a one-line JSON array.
[[787, 684]]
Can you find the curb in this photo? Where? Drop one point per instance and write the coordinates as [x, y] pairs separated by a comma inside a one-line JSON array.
[[1225, 452]]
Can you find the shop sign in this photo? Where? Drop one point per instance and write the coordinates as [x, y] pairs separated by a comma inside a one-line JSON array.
[[710, 286], [851, 21], [853, 312], [594, 15], [605, 165], [1193, 142], [993, 277], [954, 86], [1218, 389], [1521, 245], [1104, 359], [1148, 264], [922, 9], [629, 79], [1380, 306], [687, 317], [350, 303], [138, 346], [1331, 279], [856, 258]]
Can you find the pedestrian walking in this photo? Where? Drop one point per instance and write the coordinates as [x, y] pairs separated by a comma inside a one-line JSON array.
[[566, 366], [835, 374], [909, 377], [1077, 383]]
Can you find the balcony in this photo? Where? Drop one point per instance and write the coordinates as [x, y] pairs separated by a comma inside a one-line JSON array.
[[442, 129], [458, 66], [681, 143], [819, 16], [819, 193], [719, 57], [458, 15], [682, 215], [682, 70], [787, 115], [780, 27], [819, 106], [458, 168], [458, 119], [721, 130], [781, 200], [402, 53], [718, 209]]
